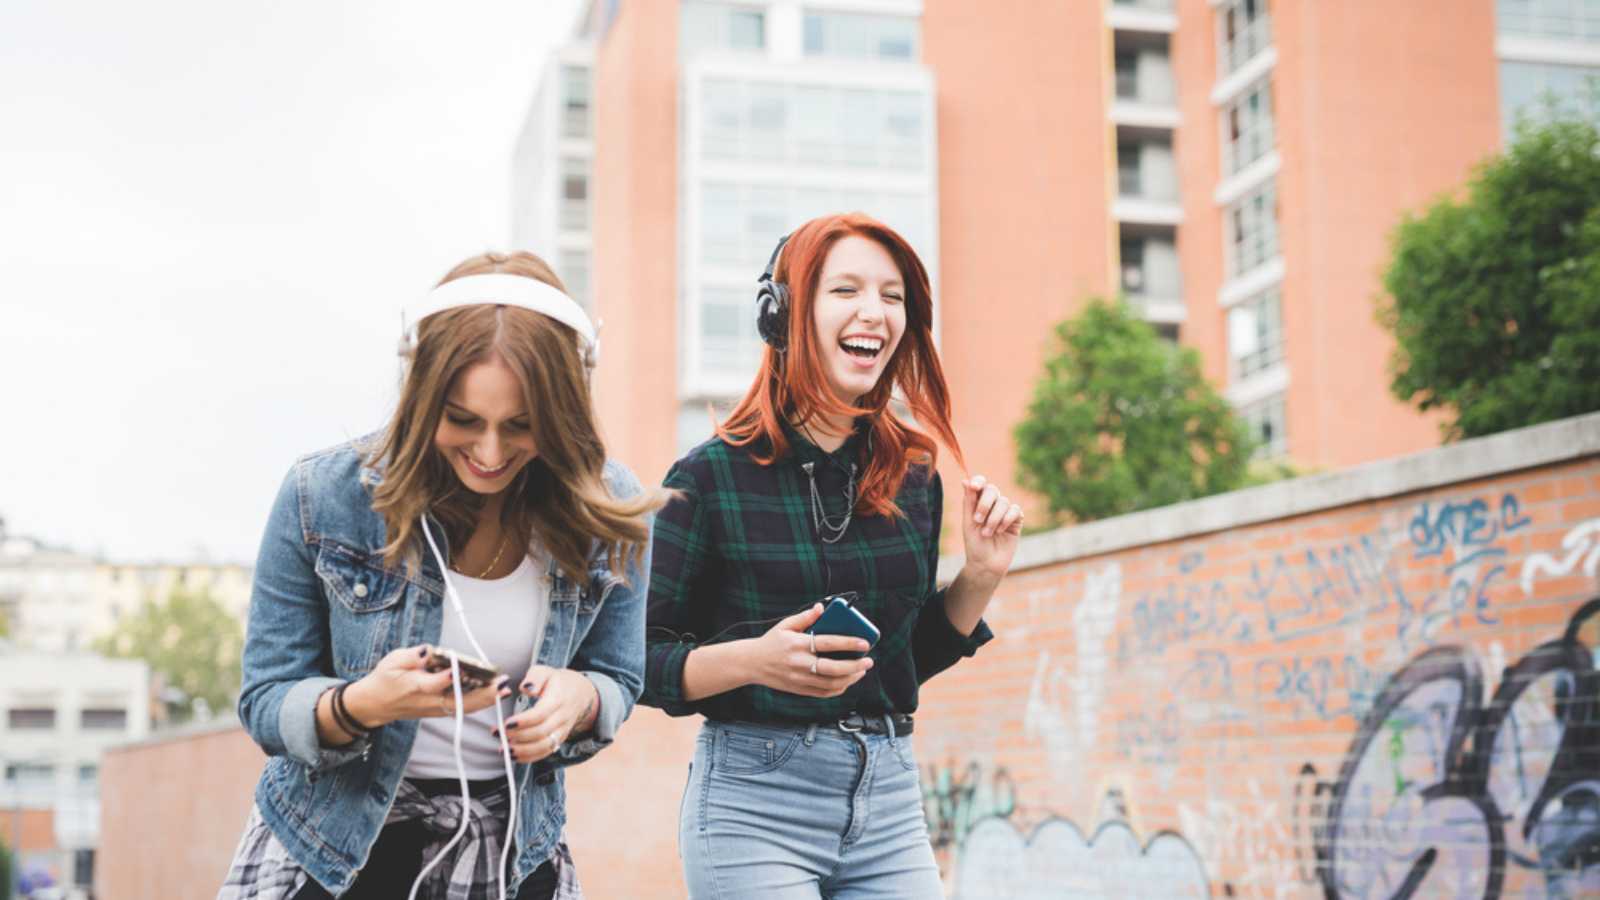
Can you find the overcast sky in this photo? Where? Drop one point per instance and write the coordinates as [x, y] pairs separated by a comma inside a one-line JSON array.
[[210, 215]]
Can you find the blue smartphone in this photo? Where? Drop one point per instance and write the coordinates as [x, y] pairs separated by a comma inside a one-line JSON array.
[[839, 617]]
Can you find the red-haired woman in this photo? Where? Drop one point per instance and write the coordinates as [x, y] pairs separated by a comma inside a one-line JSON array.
[[804, 783]]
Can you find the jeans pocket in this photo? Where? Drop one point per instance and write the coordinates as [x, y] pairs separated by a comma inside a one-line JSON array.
[[753, 752], [904, 752]]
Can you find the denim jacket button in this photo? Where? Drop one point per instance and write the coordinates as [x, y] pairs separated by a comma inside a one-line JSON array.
[[360, 590]]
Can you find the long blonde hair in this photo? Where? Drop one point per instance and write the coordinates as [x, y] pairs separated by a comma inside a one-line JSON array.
[[560, 496]]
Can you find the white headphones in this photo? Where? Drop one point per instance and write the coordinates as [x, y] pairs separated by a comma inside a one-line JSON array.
[[507, 290]]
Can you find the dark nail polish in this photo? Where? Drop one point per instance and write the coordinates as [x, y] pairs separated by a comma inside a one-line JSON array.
[[423, 653], [510, 725]]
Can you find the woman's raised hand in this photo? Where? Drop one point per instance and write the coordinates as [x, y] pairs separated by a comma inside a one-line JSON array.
[[990, 528], [785, 658], [398, 687]]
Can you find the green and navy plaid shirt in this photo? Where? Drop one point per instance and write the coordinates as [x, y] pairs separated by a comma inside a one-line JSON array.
[[739, 551]]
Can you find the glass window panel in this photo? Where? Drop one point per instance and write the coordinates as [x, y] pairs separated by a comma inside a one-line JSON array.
[[31, 719], [859, 127], [1243, 30], [728, 341], [903, 129], [1255, 334], [861, 36], [575, 106], [746, 29], [1266, 421], [722, 104], [721, 223], [103, 719], [815, 121], [575, 275]]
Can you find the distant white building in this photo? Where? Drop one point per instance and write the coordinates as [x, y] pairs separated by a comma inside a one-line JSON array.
[[786, 110], [552, 199], [58, 713], [59, 600]]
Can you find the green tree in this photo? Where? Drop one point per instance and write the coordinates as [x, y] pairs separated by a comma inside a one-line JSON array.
[[1123, 420], [1494, 300], [8, 870], [191, 643]]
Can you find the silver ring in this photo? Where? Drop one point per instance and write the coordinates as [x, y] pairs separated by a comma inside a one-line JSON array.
[[814, 661], [555, 743]]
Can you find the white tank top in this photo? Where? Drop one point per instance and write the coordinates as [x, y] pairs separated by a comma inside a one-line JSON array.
[[508, 617]]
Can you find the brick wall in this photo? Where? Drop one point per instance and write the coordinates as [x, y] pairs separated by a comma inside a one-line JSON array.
[[1360, 684], [1383, 684]]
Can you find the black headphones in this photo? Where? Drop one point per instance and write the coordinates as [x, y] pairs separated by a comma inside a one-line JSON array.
[[772, 304]]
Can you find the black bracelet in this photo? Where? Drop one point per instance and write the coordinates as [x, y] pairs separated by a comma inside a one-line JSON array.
[[341, 714]]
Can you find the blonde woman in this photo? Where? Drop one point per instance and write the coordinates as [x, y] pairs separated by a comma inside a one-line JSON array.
[[484, 522]]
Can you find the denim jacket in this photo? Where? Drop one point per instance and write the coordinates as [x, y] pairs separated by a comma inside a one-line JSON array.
[[325, 608]]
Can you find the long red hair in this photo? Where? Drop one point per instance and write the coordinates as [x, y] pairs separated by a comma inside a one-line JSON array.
[[792, 385]]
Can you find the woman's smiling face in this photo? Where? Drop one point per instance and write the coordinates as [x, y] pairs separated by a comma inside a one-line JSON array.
[[485, 433], [859, 313]]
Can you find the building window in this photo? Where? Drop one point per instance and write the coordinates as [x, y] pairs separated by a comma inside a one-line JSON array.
[[859, 36], [1557, 19], [1127, 72], [740, 223], [1128, 170], [574, 195], [722, 26], [31, 719], [1253, 230], [1255, 334], [728, 341], [89, 774], [575, 101], [1243, 30], [31, 782], [103, 719], [1537, 90], [1133, 280], [1247, 128], [769, 122], [1265, 419], [575, 275]]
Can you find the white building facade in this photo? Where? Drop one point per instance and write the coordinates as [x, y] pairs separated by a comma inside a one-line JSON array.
[[58, 713]]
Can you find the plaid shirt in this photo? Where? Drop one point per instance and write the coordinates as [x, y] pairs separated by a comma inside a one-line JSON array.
[[739, 550]]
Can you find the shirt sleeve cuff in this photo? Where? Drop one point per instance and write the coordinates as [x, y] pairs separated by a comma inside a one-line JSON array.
[[297, 726], [664, 679], [613, 712]]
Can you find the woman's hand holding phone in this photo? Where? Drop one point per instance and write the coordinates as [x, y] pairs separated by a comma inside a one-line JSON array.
[[401, 687], [782, 659]]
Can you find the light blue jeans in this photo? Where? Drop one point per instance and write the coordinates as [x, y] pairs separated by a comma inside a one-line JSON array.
[[791, 812]]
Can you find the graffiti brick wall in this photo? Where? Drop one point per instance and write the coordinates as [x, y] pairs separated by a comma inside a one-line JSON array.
[[1379, 683]]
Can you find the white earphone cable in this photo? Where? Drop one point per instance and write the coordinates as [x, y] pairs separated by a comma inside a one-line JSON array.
[[461, 765]]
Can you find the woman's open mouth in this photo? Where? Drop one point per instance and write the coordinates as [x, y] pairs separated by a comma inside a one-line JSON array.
[[863, 351], [483, 471]]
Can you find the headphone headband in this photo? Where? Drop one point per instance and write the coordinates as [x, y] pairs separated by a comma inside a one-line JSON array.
[[500, 289]]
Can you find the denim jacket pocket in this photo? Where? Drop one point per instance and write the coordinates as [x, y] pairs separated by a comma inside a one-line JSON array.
[[361, 592]]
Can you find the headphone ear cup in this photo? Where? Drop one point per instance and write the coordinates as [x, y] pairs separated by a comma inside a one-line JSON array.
[[772, 314]]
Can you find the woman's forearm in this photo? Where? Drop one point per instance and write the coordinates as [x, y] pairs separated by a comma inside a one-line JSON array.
[[967, 598], [717, 669]]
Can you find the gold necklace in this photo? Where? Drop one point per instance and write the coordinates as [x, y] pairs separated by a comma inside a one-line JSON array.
[[504, 539]]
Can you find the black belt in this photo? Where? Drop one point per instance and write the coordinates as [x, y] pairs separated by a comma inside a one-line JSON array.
[[903, 724]]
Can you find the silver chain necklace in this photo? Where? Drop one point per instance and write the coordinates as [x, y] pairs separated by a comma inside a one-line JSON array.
[[824, 523]]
